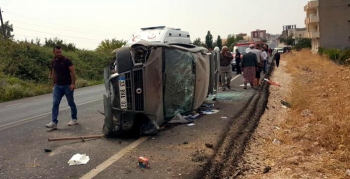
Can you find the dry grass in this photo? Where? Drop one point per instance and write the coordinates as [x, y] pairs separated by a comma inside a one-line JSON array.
[[318, 128]]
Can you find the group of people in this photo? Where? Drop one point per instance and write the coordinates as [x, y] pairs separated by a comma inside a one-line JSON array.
[[252, 64]]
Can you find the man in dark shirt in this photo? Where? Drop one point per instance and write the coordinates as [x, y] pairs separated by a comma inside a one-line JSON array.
[[225, 67], [63, 74], [238, 62], [277, 58]]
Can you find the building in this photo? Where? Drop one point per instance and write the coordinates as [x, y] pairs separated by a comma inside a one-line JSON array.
[[297, 34], [258, 34], [241, 35], [286, 29], [328, 23]]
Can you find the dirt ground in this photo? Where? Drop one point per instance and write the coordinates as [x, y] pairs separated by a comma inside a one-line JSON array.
[[256, 163], [290, 142]]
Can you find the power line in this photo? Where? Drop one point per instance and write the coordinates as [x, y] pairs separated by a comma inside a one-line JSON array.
[[62, 28], [27, 36], [55, 34], [58, 24]]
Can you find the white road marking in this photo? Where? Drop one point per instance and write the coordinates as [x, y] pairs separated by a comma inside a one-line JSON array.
[[13, 124], [41, 99], [113, 159], [33, 118], [16, 104], [235, 77]]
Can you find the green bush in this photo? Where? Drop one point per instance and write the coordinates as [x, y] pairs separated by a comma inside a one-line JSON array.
[[339, 56], [29, 61], [24, 68], [303, 43], [14, 88]]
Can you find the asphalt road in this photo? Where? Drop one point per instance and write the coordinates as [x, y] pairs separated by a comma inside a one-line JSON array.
[[176, 152]]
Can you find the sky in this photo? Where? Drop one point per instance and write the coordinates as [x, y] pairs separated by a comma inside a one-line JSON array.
[[86, 23]]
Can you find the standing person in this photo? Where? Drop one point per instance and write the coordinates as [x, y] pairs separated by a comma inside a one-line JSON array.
[[277, 58], [257, 52], [238, 62], [216, 53], [264, 57], [270, 52], [63, 74], [225, 68], [249, 65]]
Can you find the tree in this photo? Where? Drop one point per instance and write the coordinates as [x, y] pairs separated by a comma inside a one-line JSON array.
[[197, 42], [289, 41], [108, 46], [230, 41], [8, 30], [53, 42], [303, 43], [281, 39], [219, 42], [209, 40]]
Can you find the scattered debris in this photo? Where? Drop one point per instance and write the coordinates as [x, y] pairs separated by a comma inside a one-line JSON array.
[[285, 103], [143, 162], [79, 159], [191, 124], [185, 142], [285, 107], [348, 172], [193, 116], [209, 145], [179, 119], [267, 169], [47, 150], [149, 127], [212, 111], [76, 138], [223, 117], [276, 142], [272, 82]]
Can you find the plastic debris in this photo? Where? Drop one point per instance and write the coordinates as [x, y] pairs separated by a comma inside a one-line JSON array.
[[143, 162], [47, 150], [223, 117], [348, 172], [194, 116], [79, 159], [276, 142], [272, 82], [191, 124], [179, 119], [213, 111]]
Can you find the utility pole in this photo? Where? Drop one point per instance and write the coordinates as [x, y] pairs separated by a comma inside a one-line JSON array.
[[2, 25]]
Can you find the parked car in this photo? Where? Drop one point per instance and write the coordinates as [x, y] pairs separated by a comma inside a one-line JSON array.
[[278, 49], [241, 47], [155, 81], [287, 49]]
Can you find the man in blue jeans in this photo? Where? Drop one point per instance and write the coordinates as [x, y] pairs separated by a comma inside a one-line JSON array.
[[63, 74]]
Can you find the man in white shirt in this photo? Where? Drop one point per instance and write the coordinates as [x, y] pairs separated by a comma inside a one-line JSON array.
[[264, 59]]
